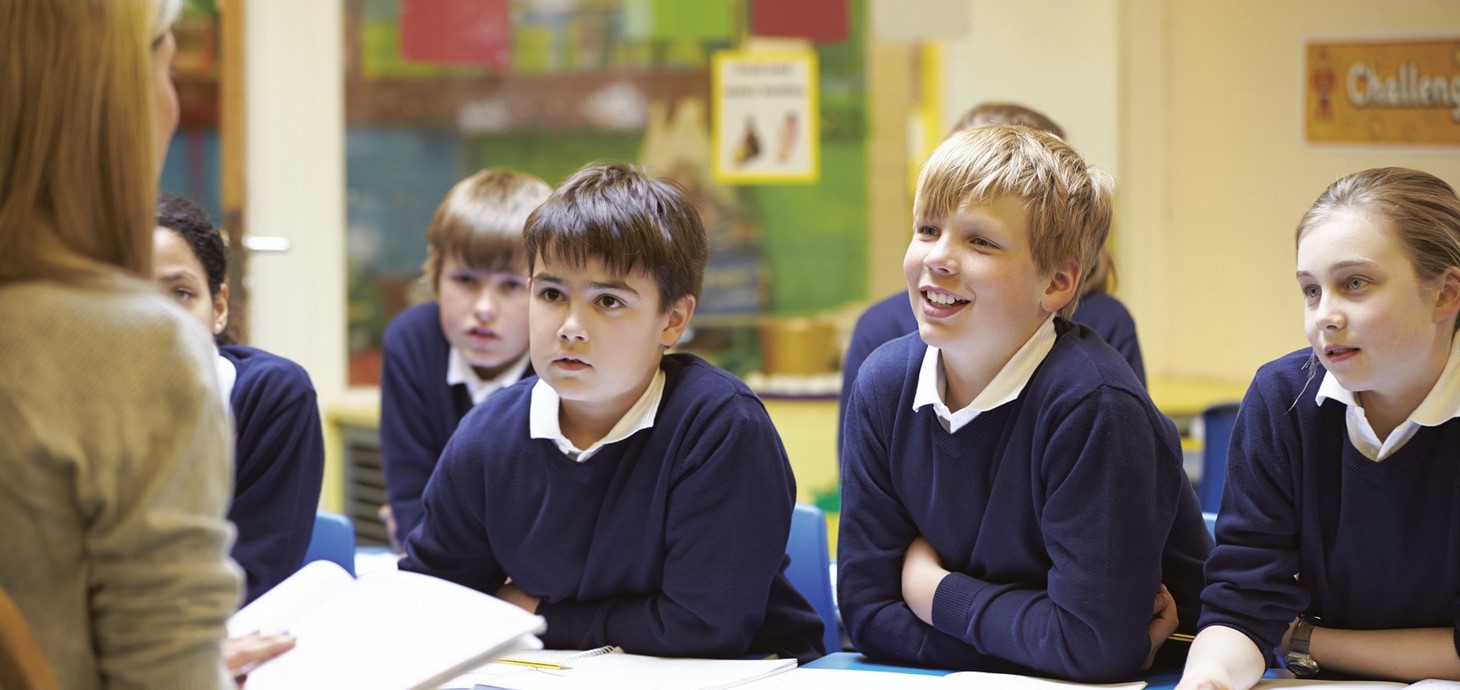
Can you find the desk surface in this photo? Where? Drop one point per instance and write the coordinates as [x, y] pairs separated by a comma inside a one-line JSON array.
[[852, 661]]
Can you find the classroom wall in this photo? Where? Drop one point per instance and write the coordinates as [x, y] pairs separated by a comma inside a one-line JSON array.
[[1196, 109], [1194, 106], [295, 177], [1216, 172]]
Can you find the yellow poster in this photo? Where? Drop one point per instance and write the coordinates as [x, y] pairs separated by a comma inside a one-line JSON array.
[[1395, 92], [766, 120]]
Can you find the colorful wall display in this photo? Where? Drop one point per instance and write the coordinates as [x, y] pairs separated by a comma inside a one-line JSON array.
[[1386, 92]]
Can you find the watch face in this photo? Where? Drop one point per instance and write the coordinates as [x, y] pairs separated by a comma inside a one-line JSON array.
[[1302, 665]]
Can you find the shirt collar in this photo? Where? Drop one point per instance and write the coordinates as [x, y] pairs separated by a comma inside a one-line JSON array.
[[543, 418], [1005, 386], [460, 371], [1440, 405], [227, 376]]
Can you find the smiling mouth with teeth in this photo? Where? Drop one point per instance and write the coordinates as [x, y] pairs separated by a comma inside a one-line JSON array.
[[941, 299]]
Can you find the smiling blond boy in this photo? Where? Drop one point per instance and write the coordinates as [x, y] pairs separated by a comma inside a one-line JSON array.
[[1012, 501]]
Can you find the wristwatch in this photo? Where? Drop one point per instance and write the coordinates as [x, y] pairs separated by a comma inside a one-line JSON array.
[[1300, 662]]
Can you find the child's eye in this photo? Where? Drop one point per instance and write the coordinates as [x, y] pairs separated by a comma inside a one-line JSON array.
[[466, 279], [982, 243], [181, 295], [1356, 283], [926, 231], [550, 294], [610, 302], [513, 286], [1310, 292]]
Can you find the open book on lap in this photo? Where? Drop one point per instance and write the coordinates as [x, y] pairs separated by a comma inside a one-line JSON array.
[[384, 631]]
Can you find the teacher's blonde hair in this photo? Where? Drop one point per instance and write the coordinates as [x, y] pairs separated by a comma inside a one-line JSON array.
[[77, 161]]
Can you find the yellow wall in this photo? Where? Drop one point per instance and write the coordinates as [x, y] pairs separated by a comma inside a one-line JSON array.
[[1213, 105], [1196, 108]]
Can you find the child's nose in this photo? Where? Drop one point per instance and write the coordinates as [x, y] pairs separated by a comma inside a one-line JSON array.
[[939, 258], [485, 306], [572, 328], [1330, 313]]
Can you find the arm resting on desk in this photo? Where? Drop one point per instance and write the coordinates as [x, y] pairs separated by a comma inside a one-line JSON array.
[[1402, 655]]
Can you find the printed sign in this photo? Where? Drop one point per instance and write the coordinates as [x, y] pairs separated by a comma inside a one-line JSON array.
[[766, 119], [1383, 93]]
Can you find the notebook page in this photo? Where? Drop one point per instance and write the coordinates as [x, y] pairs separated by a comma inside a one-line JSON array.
[[277, 609], [979, 680], [395, 631], [635, 672], [842, 679]]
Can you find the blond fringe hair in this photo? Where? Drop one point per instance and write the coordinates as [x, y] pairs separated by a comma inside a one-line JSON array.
[[77, 171], [1420, 209], [1068, 201], [480, 222]]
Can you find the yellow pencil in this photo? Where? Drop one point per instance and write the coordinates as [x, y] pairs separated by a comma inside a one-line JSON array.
[[1182, 637], [530, 663]]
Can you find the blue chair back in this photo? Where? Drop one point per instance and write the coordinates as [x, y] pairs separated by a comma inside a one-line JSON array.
[[810, 568], [333, 540], [1217, 423], [1211, 520]]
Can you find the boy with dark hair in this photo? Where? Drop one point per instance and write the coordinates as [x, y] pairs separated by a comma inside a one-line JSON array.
[[633, 498], [1012, 501]]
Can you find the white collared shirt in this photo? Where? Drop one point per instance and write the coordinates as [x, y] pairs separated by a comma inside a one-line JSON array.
[[543, 418], [227, 376], [459, 370], [1005, 386], [1441, 405]]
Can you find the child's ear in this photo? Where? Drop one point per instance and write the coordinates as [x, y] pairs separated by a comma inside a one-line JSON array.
[[1061, 287], [220, 309], [678, 315], [1447, 296]]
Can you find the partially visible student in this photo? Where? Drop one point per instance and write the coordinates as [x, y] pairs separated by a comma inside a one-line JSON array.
[[1011, 499], [1338, 541], [114, 454], [1101, 311], [444, 356], [633, 498], [278, 456]]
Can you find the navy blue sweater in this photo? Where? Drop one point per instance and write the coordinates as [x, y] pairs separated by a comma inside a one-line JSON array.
[[418, 410], [893, 318], [670, 542], [1377, 544], [278, 465], [1059, 514]]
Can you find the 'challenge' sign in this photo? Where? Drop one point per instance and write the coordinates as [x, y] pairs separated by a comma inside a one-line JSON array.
[[1383, 93]]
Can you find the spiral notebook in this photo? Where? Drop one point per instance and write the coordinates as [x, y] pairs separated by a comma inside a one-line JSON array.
[[608, 668]]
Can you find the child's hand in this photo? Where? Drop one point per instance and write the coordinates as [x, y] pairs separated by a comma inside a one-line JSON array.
[[1163, 623], [387, 516], [511, 594], [244, 654], [922, 570]]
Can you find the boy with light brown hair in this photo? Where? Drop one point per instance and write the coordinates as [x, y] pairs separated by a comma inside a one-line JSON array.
[[1012, 500]]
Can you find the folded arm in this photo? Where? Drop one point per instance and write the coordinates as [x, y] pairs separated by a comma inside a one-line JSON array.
[[729, 516]]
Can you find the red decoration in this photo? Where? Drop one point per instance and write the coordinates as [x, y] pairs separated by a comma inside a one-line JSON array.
[[457, 32], [823, 21]]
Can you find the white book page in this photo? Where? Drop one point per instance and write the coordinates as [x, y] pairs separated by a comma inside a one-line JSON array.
[[843, 679], [394, 631], [635, 672], [1006, 681], [277, 609], [1295, 683]]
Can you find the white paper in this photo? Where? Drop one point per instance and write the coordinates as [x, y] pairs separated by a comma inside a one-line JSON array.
[[384, 631]]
